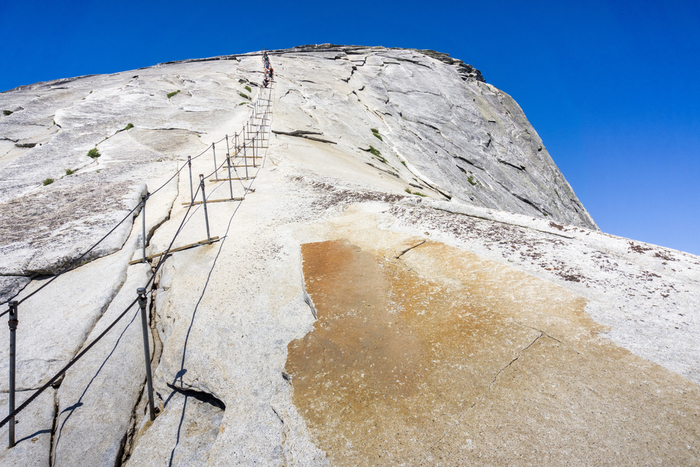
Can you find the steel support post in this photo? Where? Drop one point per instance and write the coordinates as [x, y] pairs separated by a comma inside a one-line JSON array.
[[12, 322], [216, 169], [189, 163], [146, 350], [230, 183], [245, 161], [254, 152], [204, 203], [143, 226]]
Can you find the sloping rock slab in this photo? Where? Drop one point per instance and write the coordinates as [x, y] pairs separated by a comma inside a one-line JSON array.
[[32, 430], [97, 392], [437, 356], [54, 323], [46, 231], [182, 435]]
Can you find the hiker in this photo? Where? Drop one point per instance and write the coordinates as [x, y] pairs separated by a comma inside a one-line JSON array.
[[271, 73]]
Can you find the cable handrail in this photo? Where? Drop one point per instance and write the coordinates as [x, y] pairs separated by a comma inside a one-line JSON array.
[[163, 257], [74, 262]]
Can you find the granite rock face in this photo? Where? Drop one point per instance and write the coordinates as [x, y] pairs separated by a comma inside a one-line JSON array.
[[433, 125], [136, 128], [408, 275]]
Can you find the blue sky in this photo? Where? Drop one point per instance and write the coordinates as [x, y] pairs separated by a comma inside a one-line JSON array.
[[612, 87]]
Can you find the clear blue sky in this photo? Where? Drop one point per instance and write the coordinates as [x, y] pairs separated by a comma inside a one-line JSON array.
[[612, 87]]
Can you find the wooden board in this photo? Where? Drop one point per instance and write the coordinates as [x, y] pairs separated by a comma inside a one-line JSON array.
[[215, 201], [180, 248]]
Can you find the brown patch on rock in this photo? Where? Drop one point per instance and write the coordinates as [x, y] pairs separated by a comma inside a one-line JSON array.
[[443, 357]]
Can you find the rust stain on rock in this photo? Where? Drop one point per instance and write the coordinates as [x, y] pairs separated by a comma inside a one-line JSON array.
[[443, 357]]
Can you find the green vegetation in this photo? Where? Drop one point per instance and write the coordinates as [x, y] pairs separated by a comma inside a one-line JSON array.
[[70, 171], [408, 190], [243, 103], [244, 96], [375, 132], [247, 88], [94, 153], [472, 180], [375, 152], [404, 163], [128, 127], [7, 112], [48, 181], [171, 94]]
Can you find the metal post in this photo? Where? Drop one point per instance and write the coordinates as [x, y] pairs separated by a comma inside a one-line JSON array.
[[189, 163], [204, 202], [230, 183], [228, 151], [216, 170], [12, 322], [253, 151], [245, 161], [146, 350], [143, 226]]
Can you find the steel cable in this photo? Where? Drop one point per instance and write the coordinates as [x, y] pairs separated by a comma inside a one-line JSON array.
[[79, 258], [65, 368], [104, 333], [161, 261], [167, 252]]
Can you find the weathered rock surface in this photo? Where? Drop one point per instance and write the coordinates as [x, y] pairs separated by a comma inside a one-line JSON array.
[[54, 323], [10, 286], [33, 430], [438, 355], [92, 423], [340, 316], [45, 227], [192, 424], [462, 139]]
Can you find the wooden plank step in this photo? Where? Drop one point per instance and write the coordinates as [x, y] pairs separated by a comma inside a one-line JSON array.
[[180, 248], [249, 157], [227, 179], [216, 200]]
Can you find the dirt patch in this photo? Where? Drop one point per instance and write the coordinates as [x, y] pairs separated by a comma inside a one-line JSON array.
[[444, 357]]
